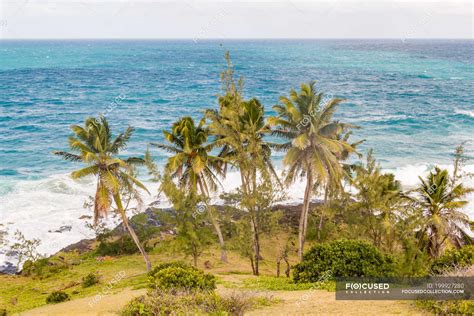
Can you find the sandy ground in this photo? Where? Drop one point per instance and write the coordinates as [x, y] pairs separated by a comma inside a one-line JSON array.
[[310, 302]]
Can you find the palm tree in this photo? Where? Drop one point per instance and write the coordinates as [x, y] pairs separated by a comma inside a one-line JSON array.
[[313, 147], [93, 145], [239, 127], [440, 199], [193, 165]]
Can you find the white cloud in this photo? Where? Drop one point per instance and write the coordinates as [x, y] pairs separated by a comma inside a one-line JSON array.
[[235, 19]]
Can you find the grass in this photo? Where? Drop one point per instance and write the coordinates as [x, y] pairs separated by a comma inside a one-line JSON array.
[[19, 293]]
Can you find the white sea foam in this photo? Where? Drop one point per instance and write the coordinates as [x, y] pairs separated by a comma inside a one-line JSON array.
[[38, 208], [464, 112]]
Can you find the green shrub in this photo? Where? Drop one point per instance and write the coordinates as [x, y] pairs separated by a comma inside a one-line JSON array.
[[165, 265], [176, 277], [454, 258], [161, 302], [57, 297], [90, 280], [44, 267], [3, 312], [343, 258], [452, 307]]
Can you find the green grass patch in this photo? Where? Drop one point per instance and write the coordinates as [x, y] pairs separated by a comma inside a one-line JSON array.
[[284, 284]]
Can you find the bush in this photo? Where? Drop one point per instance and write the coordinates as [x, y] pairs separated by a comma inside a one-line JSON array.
[[57, 297], [161, 302], [90, 280], [453, 307], [181, 277], [343, 258], [3, 312], [454, 258], [44, 267]]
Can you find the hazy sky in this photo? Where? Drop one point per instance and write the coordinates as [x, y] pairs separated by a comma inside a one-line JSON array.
[[200, 19]]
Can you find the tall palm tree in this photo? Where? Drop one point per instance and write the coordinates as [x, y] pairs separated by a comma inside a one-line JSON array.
[[193, 165], [94, 146], [239, 127], [313, 147], [440, 200]]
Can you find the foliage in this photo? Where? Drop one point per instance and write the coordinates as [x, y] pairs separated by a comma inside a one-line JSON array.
[[170, 264], [3, 312], [343, 258], [90, 279], [194, 167], [93, 145], [449, 307], [44, 267], [161, 302], [439, 200], [193, 234], [24, 249], [454, 258], [284, 284], [377, 198], [57, 297], [178, 276], [239, 128], [313, 144]]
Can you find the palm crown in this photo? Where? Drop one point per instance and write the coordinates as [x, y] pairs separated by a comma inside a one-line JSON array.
[[440, 202], [93, 145], [192, 164], [315, 144]]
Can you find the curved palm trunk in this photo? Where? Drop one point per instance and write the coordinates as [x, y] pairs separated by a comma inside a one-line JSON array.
[[221, 238], [131, 231], [304, 215], [216, 225]]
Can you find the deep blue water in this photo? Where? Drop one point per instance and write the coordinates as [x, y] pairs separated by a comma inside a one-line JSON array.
[[412, 99]]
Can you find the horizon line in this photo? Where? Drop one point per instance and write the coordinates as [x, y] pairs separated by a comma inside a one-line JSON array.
[[245, 38]]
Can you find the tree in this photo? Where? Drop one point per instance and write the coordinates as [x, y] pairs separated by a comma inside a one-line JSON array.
[[94, 146], [440, 200], [24, 249], [192, 164], [312, 148], [239, 127], [192, 232], [377, 200]]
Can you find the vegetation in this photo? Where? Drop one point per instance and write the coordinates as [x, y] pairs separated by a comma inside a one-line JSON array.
[[90, 280], [93, 145], [194, 167], [189, 303], [313, 146], [365, 225], [343, 258], [181, 277], [454, 258], [57, 297]]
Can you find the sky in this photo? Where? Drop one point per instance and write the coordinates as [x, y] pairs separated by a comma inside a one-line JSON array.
[[224, 19]]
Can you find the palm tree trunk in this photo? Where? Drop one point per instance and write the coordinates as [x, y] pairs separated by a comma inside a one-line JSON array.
[[304, 215], [131, 231], [326, 194], [221, 239], [256, 246], [216, 225]]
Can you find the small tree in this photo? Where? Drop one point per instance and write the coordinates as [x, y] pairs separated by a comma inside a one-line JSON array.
[[25, 249], [192, 229]]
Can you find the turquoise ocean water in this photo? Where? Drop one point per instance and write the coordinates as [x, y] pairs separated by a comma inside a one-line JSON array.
[[412, 99]]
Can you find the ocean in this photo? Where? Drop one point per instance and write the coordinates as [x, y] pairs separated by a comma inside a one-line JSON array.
[[412, 99]]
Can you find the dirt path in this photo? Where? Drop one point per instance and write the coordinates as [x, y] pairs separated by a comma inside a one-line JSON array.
[[320, 302], [311, 302]]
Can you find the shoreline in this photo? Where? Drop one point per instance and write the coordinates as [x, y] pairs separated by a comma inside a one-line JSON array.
[[49, 198]]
